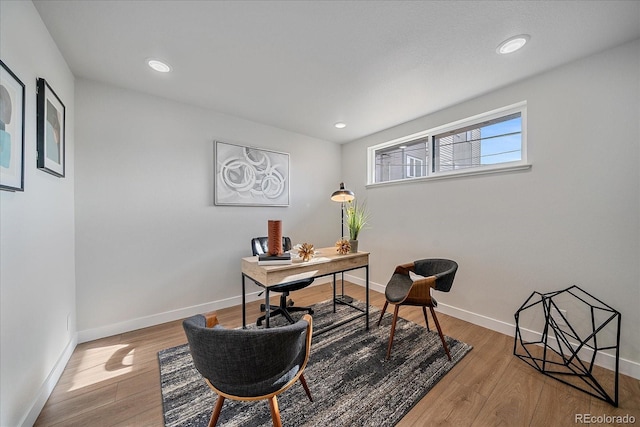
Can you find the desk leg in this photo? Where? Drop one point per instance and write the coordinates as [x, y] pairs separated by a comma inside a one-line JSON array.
[[244, 307], [334, 292], [367, 297], [267, 307]]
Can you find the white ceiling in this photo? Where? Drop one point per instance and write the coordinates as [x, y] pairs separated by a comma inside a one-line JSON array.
[[302, 66]]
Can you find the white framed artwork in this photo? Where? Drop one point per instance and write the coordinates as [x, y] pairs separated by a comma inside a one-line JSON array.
[[250, 176]]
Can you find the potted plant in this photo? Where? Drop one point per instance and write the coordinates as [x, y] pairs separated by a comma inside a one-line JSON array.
[[357, 219]]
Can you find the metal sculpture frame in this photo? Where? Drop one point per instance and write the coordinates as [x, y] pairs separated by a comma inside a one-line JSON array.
[[560, 341]]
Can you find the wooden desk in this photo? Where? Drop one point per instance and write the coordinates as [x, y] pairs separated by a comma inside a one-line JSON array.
[[327, 262]]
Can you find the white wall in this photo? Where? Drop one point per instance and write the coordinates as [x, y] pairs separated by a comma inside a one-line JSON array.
[[574, 218], [151, 245], [37, 267]]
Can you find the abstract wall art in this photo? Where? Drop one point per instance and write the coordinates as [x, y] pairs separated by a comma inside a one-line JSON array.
[[249, 176], [11, 131]]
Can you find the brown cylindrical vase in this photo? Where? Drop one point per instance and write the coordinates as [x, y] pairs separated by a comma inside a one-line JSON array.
[[275, 237]]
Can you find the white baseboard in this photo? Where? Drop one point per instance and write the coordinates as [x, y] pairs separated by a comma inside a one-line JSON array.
[[47, 387], [626, 367], [156, 319], [605, 360], [169, 316]]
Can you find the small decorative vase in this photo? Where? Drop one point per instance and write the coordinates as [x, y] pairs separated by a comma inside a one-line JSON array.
[[274, 237], [354, 246]]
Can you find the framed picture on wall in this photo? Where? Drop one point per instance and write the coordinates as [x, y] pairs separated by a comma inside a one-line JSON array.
[[51, 129], [11, 130], [248, 176]]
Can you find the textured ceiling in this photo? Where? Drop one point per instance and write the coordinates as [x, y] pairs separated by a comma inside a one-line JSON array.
[[302, 66]]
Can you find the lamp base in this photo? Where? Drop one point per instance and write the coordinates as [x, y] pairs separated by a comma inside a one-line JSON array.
[[344, 299]]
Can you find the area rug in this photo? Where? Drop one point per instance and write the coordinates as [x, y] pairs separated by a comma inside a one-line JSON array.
[[351, 382]]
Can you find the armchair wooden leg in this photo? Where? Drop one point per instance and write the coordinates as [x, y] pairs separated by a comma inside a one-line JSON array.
[[306, 387], [275, 412], [384, 309], [393, 330], [426, 320], [435, 319], [216, 411]]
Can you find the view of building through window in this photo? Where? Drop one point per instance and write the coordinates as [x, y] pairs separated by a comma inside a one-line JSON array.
[[490, 142]]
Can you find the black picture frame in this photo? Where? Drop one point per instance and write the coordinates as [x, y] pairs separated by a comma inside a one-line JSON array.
[[51, 130], [12, 98]]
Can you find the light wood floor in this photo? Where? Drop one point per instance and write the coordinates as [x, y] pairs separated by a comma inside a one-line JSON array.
[[115, 381]]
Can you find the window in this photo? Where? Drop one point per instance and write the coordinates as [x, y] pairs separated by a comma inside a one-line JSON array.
[[402, 161], [484, 143]]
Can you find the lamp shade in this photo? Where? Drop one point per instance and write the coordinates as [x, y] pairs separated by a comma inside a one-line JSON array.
[[342, 195]]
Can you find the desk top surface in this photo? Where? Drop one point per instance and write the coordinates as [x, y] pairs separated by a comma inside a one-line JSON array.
[[325, 261], [322, 255]]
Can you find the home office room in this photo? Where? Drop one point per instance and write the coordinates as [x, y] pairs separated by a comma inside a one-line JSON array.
[[158, 225]]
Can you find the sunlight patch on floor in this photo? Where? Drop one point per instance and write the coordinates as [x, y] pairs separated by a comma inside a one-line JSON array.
[[103, 363]]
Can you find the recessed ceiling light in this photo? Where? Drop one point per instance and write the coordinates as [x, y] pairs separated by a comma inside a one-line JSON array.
[[512, 44], [159, 66], [340, 125]]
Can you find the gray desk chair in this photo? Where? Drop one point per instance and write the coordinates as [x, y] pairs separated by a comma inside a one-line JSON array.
[[259, 246], [246, 364], [402, 290]]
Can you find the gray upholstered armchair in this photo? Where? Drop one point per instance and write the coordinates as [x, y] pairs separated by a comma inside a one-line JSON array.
[[437, 274], [249, 364]]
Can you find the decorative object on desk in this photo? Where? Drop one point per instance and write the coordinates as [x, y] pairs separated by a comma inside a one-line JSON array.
[[357, 219], [343, 247], [567, 351], [275, 237], [248, 176], [347, 367], [305, 251], [341, 196], [11, 130], [266, 259], [51, 127]]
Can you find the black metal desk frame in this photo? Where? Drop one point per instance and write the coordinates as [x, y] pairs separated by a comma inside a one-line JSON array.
[[363, 312]]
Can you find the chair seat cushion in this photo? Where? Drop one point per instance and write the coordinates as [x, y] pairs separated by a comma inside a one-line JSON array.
[[398, 288], [291, 286]]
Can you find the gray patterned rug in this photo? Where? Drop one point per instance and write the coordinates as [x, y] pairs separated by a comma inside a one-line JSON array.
[[351, 382]]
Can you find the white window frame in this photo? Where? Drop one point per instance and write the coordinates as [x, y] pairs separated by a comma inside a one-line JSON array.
[[520, 107]]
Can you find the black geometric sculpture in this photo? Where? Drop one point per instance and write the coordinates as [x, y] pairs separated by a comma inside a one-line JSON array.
[[567, 351]]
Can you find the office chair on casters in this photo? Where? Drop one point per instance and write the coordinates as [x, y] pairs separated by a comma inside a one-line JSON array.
[[403, 290], [245, 364], [259, 245]]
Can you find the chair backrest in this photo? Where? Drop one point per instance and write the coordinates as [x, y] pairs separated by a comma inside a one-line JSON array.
[[260, 245], [443, 269], [247, 362]]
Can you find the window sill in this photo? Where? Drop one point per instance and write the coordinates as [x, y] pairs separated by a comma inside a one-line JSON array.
[[456, 174]]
